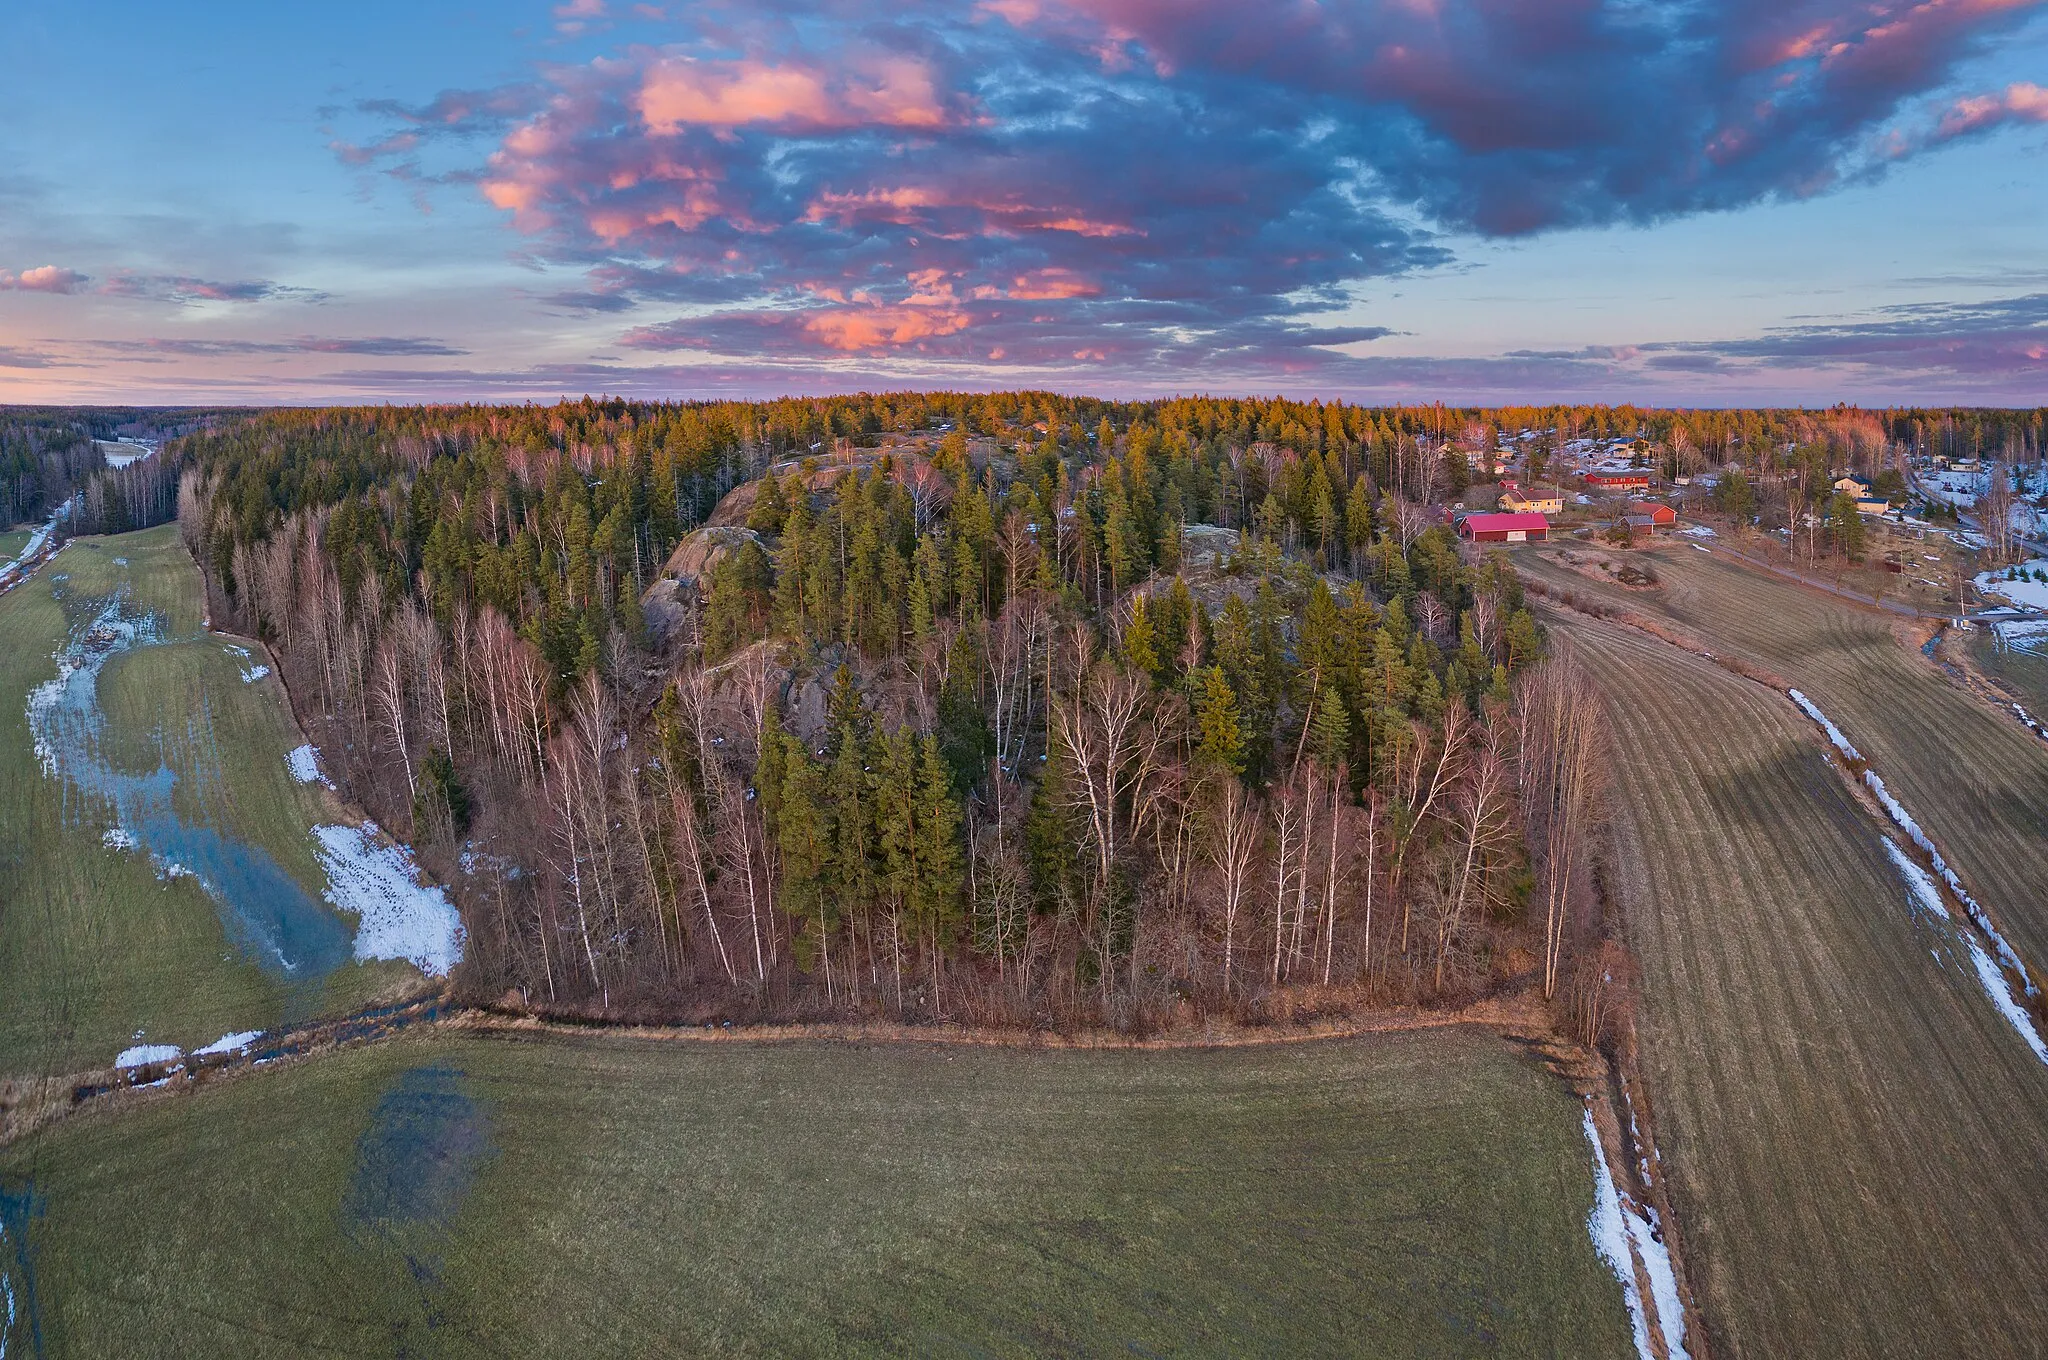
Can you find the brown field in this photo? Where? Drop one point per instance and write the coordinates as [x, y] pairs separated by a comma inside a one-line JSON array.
[[1969, 773], [1856, 1142]]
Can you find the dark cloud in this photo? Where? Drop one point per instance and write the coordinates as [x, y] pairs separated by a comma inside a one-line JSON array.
[[1968, 342], [184, 289], [22, 358], [1170, 184]]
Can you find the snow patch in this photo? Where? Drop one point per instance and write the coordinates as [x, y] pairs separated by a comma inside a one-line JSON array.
[[2021, 635], [1623, 1238], [1990, 976], [118, 838], [2025, 584], [304, 763], [229, 1043], [254, 673], [1834, 733], [398, 916], [1698, 531], [141, 1055]]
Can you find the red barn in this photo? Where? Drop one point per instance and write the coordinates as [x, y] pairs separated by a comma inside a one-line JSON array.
[[1525, 528], [1660, 516], [1619, 481]]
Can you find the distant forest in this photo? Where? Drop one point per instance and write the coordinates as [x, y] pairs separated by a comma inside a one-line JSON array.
[[1011, 708], [47, 456]]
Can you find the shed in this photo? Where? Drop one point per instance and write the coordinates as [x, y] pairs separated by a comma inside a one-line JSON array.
[[1521, 528], [1660, 516]]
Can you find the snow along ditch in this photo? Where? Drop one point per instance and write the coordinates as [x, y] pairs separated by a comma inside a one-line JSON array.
[[1626, 1234], [1994, 974]]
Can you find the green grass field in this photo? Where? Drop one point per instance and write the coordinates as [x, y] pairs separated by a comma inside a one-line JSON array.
[[94, 947], [1968, 772], [1856, 1142], [12, 541], [1409, 1194]]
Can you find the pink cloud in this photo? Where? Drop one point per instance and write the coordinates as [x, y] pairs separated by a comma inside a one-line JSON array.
[[853, 329], [2020, 103], [888, 91], [43, 279]]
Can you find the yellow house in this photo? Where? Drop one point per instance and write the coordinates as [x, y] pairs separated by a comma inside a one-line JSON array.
[[1536, 500]]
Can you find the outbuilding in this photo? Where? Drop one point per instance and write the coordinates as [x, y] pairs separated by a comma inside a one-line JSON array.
[[1660, 516], [1516, 528]]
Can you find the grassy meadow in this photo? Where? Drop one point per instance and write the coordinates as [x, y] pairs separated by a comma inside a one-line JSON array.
[[1855, 1140], [1409, 1194], [95, 947]]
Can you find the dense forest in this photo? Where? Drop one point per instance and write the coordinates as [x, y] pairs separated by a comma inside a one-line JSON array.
[[1015, 708], [48, 457]]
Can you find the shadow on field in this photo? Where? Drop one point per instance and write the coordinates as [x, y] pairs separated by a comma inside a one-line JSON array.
[[414, 1165]]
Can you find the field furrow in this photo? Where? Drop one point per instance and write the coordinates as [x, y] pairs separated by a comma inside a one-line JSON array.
[[1857, 1141], [1969, 773]]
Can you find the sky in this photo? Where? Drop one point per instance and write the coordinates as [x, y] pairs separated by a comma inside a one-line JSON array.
[[1672, 202]]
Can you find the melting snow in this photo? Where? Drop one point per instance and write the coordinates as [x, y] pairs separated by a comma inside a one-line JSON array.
[[1927, 898], [1622, 1237], [1904, 820], [118, 838], [1834, 733], [229, 1043], [142, 1054], [254, 673], [304, 763], [398, 916], [2025, 584]]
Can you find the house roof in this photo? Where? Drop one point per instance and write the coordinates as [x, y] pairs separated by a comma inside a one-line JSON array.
[[1496, 523]]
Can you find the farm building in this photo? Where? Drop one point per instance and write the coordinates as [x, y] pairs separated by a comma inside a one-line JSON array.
[[1660, 516], [1639, 526], [1619, 481], [1536, 500], [1512, 528]]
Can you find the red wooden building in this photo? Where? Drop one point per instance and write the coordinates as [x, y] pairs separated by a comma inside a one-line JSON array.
[[1522, 528]]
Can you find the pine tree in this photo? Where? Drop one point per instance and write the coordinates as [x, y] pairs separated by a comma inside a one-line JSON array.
[[1140, 647], [804, 835], [1219, 728]]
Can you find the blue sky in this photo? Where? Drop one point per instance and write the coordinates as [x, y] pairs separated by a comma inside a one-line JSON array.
[[1695, 203]]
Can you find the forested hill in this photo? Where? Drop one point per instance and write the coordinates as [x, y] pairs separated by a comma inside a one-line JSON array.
[[1003, 707]]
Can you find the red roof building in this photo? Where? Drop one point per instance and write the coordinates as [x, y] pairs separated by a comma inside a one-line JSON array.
[[1524, 528], [1619, 481], [1661, 516]]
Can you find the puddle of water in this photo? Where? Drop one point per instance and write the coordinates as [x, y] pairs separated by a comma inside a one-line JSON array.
[[21, 1327], [269, 915]]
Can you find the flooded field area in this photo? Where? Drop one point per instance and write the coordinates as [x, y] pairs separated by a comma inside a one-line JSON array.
[[169, 875]]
